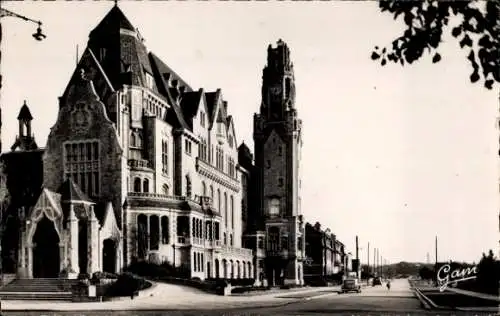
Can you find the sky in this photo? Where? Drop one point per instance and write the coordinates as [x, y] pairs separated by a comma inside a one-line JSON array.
[[395, 155]]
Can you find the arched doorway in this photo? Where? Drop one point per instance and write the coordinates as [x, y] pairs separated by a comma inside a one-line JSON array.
[[46, 256], [109, 256]]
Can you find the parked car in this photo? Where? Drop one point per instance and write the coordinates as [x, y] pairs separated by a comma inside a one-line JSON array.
[[376, 281], [350, 285]]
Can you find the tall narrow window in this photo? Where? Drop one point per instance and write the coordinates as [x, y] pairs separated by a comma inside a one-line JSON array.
[[225, 208], [154, 232], [231, 204], [81, 163], [188, 186], [137, 185], [204, 188], [219, 204], [145, 186], [164, 156], [273, 238], [164, 230]]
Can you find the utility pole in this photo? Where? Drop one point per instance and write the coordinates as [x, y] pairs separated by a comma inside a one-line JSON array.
[[436, 246], [374, 261], [368, 262], [357, 259], [436, 262]]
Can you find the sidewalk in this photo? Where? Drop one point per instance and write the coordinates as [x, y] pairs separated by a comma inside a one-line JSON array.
[[169, 296]]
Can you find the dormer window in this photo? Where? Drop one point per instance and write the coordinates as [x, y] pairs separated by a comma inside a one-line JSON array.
[[202, 119], [149, 80], [221, 132]]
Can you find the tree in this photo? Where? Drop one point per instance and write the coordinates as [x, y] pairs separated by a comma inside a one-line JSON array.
[[426, 273], [488, 274], [4, 206], [477, 31]]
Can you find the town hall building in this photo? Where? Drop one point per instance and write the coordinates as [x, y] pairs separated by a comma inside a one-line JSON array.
[[140, 166]]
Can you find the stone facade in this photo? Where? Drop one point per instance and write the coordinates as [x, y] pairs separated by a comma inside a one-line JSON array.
[[138, 166], [325, 255], [277, 231]]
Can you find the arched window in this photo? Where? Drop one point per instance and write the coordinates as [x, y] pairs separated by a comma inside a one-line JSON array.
[[139, 139], [145, 186], [154, 232], [212, 192], [230, 239], [225, 207], [164, 230], [231, 204], [225, 239], [132, 140], [142, 230], [137, 185], [166, 189], [204, 188]]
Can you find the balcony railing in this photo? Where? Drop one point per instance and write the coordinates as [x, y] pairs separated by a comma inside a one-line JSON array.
[[236, 251], [159, 196], [216, 175], [139, 163], [212, 243]]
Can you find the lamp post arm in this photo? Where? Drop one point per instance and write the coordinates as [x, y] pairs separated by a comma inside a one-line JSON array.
[[5, 12]]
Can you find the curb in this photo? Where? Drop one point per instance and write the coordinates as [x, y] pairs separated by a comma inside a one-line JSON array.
[[421, 299], [319, 296]]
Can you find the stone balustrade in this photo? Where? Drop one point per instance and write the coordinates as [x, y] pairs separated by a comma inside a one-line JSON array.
[[236, 251], [139, 163]]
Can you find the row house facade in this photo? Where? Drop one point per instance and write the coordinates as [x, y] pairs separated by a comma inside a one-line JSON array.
[[326, 256], [138, 166]]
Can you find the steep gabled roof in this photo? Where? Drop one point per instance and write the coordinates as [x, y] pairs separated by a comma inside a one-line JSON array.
[[113, 20], [87, 60], [160, 71], [190, 104], [24, 113]]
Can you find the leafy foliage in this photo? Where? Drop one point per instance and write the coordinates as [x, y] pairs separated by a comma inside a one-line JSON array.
[[477, 32], [488, 277]]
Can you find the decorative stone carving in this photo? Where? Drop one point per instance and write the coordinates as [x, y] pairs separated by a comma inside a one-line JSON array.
[[81, 118]]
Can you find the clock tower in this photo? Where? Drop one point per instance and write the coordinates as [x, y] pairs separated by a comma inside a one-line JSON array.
[[278, 141]]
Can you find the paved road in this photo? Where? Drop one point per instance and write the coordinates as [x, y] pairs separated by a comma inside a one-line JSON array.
[[398, 301]]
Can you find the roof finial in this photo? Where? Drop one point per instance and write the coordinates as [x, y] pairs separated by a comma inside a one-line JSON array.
[[116, 3]]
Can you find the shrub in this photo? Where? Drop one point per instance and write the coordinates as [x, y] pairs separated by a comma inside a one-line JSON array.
[[127, 284], [157, 271]]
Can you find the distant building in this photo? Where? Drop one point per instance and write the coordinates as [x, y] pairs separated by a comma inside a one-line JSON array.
[[324, 252]]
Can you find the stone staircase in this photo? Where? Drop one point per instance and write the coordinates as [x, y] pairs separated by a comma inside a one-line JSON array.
[[38, 289]]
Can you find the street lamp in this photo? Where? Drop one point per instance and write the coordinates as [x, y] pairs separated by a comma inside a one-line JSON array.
[[38, 35]]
